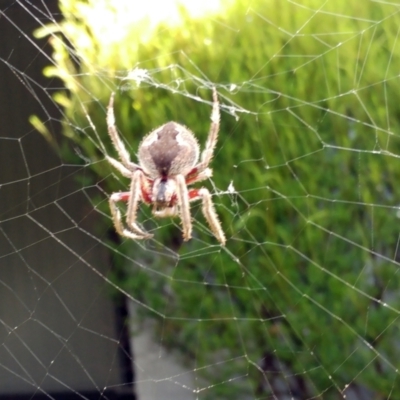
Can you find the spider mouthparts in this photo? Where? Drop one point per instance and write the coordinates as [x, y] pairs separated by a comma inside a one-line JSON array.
[[161, 200]]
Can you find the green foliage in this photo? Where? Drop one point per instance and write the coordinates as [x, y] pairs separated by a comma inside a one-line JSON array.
[[312, 229]]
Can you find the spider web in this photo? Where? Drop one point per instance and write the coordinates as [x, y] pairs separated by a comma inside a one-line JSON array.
[[301, 303]]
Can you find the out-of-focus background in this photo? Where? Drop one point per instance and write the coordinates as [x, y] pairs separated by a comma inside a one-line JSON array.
[[302, 302]]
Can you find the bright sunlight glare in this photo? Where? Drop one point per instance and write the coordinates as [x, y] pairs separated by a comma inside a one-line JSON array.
[[111, 20]]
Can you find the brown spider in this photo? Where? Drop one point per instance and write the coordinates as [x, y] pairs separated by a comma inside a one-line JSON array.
[[168, 162]]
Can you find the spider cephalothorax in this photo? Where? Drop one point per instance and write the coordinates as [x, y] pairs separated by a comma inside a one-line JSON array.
[[168, 162]]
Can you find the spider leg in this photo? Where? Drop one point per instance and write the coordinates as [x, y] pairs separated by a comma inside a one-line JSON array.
[[117, 217], [118, 143], [184, 207], [120, 167], [209, 212], [133, 197], [193, 176], [208, 151], [133, 203]]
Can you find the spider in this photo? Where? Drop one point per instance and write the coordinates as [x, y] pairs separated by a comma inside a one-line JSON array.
[[168, 162]]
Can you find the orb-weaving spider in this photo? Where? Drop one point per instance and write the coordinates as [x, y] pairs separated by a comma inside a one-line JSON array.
[[168, 162]]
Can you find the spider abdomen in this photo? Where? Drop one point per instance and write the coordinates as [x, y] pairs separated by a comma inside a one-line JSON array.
[[169, 150]]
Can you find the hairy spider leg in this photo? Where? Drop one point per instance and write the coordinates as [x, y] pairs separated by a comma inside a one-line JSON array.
[[184, 207], [117, 219], [195, 176], [209, 212], [124, 196], [208, 151], [118, 143], [138, 192]]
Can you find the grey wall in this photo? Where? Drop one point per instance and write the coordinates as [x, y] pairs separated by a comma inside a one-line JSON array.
[[58, 328]]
